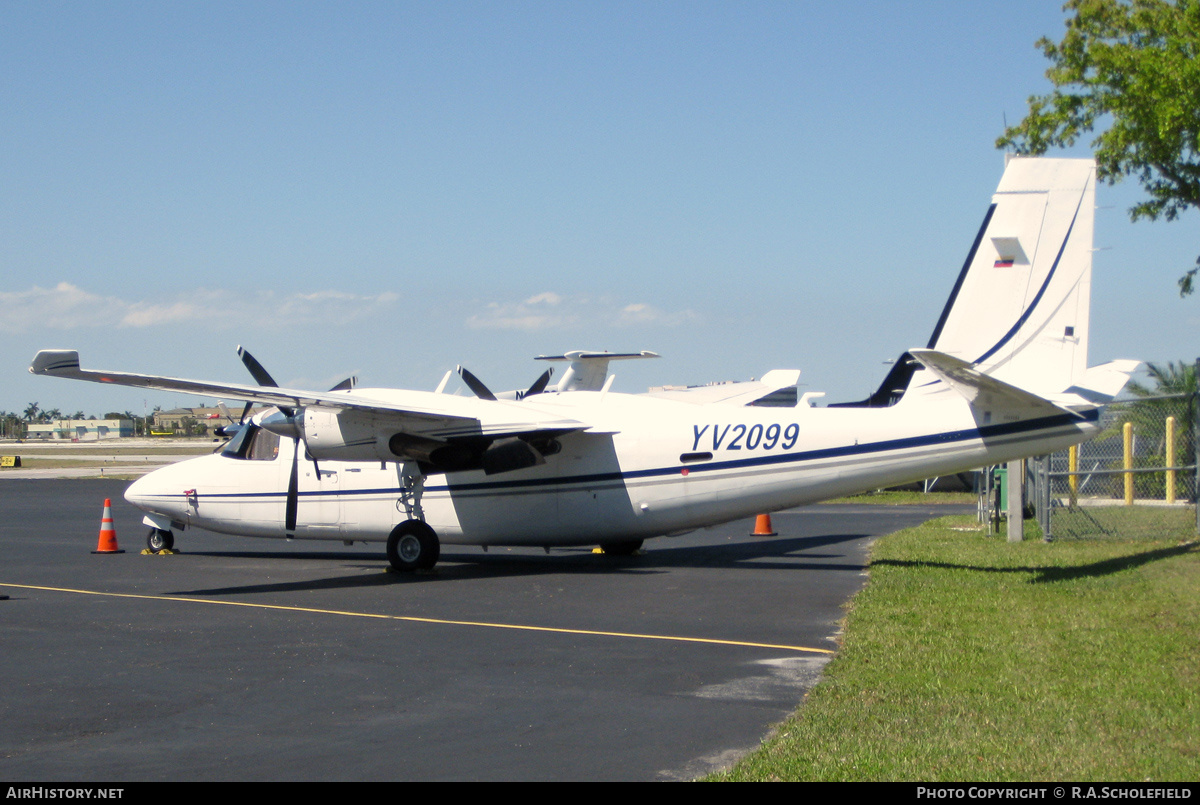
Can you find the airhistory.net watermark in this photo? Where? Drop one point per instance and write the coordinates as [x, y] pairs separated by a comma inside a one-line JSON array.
[[46, 792]]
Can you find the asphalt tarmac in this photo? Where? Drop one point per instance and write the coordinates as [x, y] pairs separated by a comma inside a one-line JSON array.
[[241, 659]]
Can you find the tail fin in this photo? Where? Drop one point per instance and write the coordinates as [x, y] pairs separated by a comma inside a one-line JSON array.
[[1019, 311]]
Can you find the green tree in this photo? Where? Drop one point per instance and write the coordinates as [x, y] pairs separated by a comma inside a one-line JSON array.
[[1132, 66]]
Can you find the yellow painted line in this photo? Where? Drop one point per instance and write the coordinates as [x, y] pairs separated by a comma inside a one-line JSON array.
[[439, 621]]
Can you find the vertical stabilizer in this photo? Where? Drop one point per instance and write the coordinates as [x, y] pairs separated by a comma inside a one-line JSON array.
[[1019, 311]]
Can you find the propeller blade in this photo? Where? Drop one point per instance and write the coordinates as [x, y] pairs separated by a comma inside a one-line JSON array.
[[346, 385], [234, 425], [261, 376], [540, 384], [475, 385], [246, 412], [293, 494]]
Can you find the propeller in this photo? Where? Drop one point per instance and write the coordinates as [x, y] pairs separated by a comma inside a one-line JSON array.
[[234, 426], [263, 378], [539, 385], [484, 393], [288, 424]]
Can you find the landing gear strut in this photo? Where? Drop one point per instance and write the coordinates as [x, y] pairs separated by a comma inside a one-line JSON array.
[[412, 545]]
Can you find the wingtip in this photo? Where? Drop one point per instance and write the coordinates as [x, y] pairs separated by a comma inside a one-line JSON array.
[[54, 361]]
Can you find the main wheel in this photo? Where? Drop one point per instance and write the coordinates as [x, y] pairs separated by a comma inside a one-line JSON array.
[[160, 540], [625, 547], [412, 545]]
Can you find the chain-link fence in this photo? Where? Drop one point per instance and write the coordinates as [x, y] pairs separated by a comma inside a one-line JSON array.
[[1137, 479]]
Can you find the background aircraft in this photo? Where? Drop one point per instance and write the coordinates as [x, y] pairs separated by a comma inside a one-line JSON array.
[[1003, 376]]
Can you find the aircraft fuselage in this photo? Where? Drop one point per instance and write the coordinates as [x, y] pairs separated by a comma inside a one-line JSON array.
[[647, 467]]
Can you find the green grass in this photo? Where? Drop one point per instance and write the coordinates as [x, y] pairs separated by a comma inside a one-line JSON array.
[[967, 658], [1119, 521]]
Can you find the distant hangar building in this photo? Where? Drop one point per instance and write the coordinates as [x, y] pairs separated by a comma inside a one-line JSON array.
[[81, 430]]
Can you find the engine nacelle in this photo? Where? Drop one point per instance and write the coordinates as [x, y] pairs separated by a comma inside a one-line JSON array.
[[342, 435], [347, 435]]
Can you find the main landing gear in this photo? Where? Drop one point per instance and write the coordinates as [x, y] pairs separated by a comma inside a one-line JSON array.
[[412, 545]]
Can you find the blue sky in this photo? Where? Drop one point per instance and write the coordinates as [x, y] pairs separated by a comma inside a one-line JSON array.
[[390, 189]]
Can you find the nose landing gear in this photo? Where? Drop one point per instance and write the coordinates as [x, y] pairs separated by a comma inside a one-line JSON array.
[[160, 540]]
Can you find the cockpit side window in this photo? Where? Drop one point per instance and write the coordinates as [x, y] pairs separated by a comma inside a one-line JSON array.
[[254, 444], [264, 447]]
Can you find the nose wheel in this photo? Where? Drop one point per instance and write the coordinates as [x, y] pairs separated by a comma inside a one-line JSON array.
[[627, 547], [412, 545], [160, 540]]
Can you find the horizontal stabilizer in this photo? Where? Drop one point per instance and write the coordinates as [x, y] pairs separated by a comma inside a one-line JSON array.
[[982, 391], [1100, 384], [589, 370]]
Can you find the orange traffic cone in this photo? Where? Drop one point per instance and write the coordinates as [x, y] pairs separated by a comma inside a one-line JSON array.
[[108, 534], [762, 527]]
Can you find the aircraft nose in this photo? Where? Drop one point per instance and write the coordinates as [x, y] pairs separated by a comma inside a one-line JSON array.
[[136, 493], [149, 493]]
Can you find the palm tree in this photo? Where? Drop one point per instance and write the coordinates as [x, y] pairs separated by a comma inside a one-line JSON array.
[[1169, 378], [1173, 394]]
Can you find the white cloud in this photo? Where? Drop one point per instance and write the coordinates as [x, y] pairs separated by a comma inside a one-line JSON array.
[[63, 307], [148, 315], [642, 314], [551, 311], [69, 307], [538, 312]]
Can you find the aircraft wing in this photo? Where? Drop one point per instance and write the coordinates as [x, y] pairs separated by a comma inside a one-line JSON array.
[[982, 390], [422, 414], [65, 364]]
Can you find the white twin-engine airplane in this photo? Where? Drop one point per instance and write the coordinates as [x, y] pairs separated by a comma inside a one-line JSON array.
[[1004, 376]]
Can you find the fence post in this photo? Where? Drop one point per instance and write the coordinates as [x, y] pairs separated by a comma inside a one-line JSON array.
[[1073, 467], [1170, 459], [1016, 501], [1127, 431]]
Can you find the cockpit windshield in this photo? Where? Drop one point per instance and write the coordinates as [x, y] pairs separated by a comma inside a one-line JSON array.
[[254, 444]]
